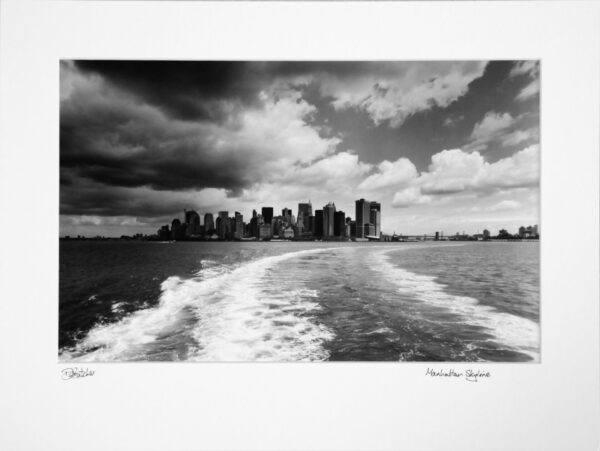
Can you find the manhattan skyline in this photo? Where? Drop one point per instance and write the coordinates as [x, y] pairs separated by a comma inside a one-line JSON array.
[[450, 146]]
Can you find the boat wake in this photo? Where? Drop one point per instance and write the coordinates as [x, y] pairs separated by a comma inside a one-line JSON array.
[[225, 313], [506, 330]]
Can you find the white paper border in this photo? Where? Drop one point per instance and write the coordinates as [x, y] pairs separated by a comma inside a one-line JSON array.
[[553, 405]]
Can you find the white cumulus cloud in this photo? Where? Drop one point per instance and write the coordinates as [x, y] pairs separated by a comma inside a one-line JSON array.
[[395, 95]]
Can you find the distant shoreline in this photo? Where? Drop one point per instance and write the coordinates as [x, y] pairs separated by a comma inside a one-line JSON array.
[[428, 240]]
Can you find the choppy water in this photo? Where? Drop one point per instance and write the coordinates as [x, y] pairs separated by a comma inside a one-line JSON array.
[[127, 301]]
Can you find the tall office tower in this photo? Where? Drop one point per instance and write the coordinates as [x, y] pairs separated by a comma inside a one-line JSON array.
[[223, 224], [339, 224], [219, 226], [254, 214], [306, 210], [376, 206], [230, 227], [318, 231], [238, 231], [192, 220], [300, 223], [352, 228], [254, 226], [191, 217], [328, 220], [267, 213], [177, 232], [363, 213], [311, 226], [375, 219], [209, 222], [287, 214], [264, 231]]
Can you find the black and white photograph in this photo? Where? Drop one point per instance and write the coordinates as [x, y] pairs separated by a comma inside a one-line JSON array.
[[289, 211], [299, 225]]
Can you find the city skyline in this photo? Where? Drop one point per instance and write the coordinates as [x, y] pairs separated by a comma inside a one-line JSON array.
[[450, 146], [328, 222]]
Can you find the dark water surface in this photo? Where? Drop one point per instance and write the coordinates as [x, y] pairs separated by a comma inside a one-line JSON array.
[[280, 301]]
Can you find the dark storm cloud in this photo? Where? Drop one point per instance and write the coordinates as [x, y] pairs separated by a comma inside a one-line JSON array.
[[186, 89], [97, 199], [108, 136], [183, 89]]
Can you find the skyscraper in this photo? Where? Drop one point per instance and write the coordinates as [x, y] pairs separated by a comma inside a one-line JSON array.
[[222, 224], [328, 220], [238, 231], [306, 210], [177, 231], [339, 225], [192, 220], [363, 216], [318, 224], [267, 213], [287, 214], [191, 217], [375, 219], [209, 222]]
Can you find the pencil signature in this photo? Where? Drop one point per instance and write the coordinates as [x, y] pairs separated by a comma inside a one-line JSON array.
[[75, 373]]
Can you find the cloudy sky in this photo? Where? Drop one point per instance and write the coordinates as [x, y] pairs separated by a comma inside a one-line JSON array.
[[446, 146]]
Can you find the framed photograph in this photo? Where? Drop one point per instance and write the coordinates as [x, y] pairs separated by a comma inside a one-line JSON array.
[[300, 225]]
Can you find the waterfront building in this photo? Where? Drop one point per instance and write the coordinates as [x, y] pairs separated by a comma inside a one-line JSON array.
[[318, 224], [163, 233], [300, 222], [375, 219], [222, 224], [267, 213], [191, 217], [328, 220], [352, 229], [369, 229], [192, 220], [339, 224], [286, 233], [238, 231], [264, 232], [229, 228], [311, 226], [177, 230], [253, 226], [219, 226], [286, 214], [363, 216], [307, 212], [209, 222]]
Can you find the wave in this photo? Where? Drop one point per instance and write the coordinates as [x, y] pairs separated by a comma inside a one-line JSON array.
[[226, 313], [517, 333]]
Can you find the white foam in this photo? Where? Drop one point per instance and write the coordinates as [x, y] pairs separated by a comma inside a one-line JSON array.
[[518, 333], [117, 307], [231, 315]]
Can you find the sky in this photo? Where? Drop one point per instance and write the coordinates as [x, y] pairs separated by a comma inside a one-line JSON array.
[[450, 146]]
